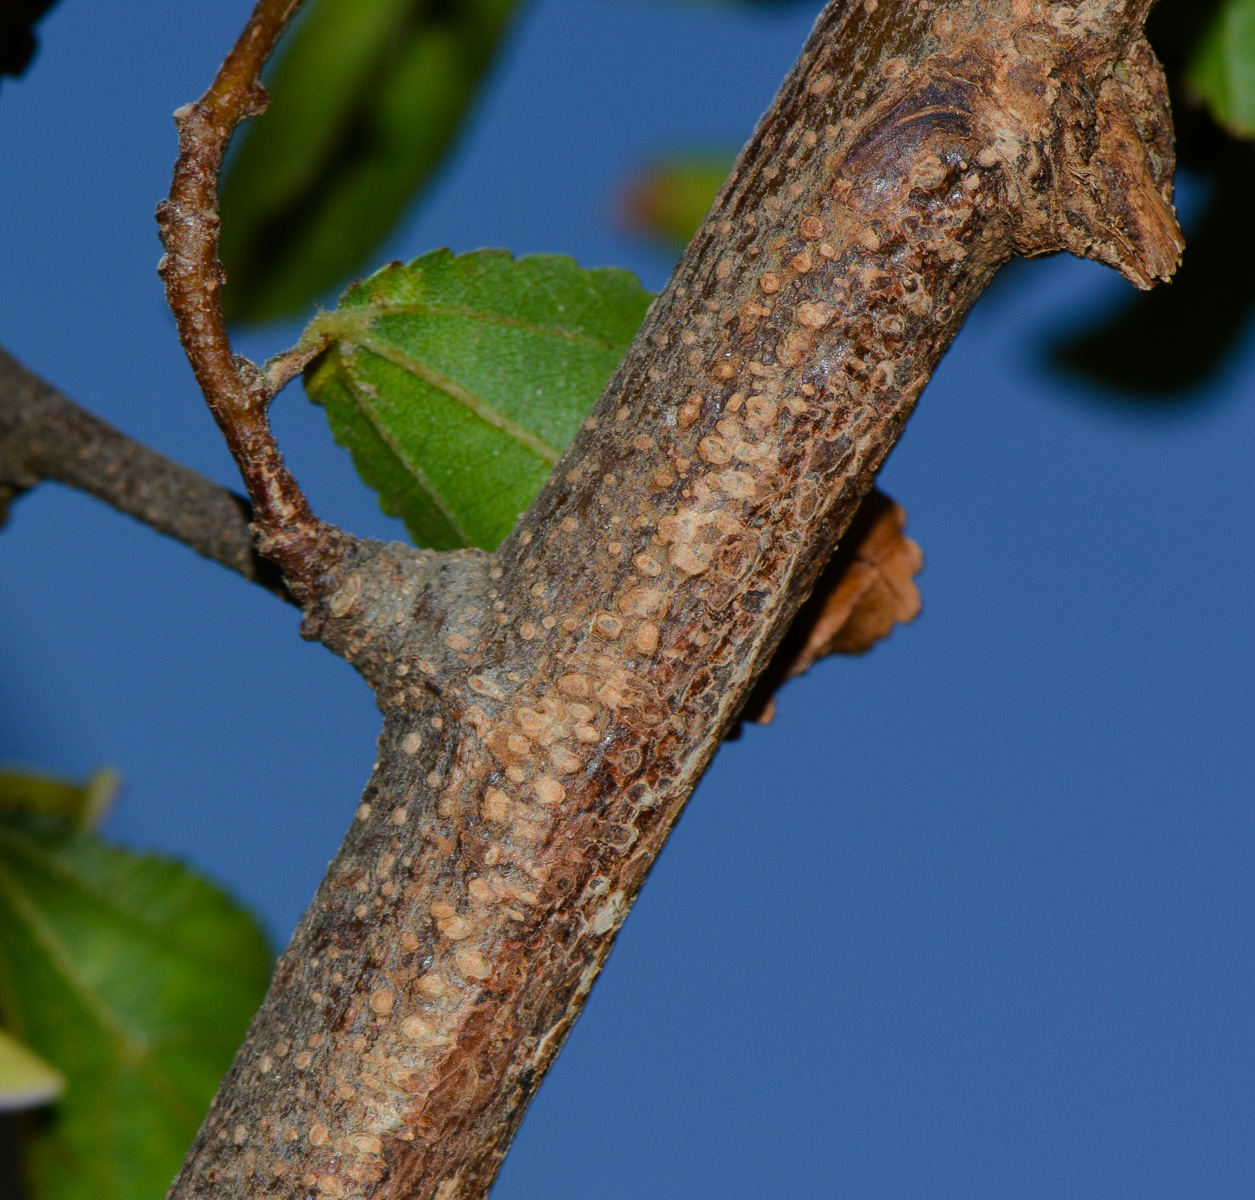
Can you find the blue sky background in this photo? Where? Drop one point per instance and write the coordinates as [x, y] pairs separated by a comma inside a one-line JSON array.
[[973, 919]]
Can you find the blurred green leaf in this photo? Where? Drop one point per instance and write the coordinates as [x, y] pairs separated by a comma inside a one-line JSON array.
[[134, 978], [456, 383], [80, 804], [366, 96], [26, 1080], [1222, 68], [668, 199]]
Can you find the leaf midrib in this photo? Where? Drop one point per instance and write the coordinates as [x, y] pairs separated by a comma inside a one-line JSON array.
[[380, 427], [63, 962], [455, 391]]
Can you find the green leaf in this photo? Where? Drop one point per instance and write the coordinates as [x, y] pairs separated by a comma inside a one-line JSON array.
[[668, 199], [134, 978], [26, 1081], [456, 383], [81, 804], [366, 97], [1221, 70]]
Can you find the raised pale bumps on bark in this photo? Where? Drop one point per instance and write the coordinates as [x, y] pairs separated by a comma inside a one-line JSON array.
[[912, 150]]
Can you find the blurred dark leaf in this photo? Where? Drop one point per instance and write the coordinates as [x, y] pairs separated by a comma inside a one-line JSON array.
[[1165, 343], [1221, 69], [1174, 28], [366, 97], [18, 19], [80, 804], [668, 198], [136, 980], [1162, 345], [457, 382]]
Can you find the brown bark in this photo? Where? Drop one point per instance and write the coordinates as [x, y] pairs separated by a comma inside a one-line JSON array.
[[45, 435], [238, 393], [549, 708]]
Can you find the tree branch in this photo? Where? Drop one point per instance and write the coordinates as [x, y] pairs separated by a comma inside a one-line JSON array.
[[45, 435], [549, 709], [237, 391]]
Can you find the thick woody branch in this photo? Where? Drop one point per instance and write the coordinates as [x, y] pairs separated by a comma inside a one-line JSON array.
[[45, 435], [237, 391], [549, 709]]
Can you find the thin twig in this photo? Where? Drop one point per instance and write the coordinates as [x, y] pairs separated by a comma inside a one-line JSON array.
[[237, 391], [45, 435], [280, 369]]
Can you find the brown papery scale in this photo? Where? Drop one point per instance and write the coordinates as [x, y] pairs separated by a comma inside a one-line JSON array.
[[549, 708]]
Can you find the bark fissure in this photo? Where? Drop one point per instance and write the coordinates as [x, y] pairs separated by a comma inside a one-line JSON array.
[[549, 708]]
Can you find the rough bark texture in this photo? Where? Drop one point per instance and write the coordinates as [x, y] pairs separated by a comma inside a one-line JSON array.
[[867, 588], [548, 709], [238, 392], [45, 435]]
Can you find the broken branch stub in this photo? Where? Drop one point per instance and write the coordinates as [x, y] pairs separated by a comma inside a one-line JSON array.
[[549, 708]]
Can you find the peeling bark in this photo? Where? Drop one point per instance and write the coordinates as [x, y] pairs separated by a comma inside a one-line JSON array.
[[548, 709]]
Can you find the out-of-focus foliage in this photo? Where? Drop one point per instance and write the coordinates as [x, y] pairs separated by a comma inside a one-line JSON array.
[[134, 979], [457, 382], [366, 99], [1222, 68], [668, 198], [366, 96], [79, 804], [18, 19], [26, 1080]]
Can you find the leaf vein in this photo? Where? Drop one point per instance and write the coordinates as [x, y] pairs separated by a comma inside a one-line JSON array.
[[418, 474], [63, 962], [455, 391]]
